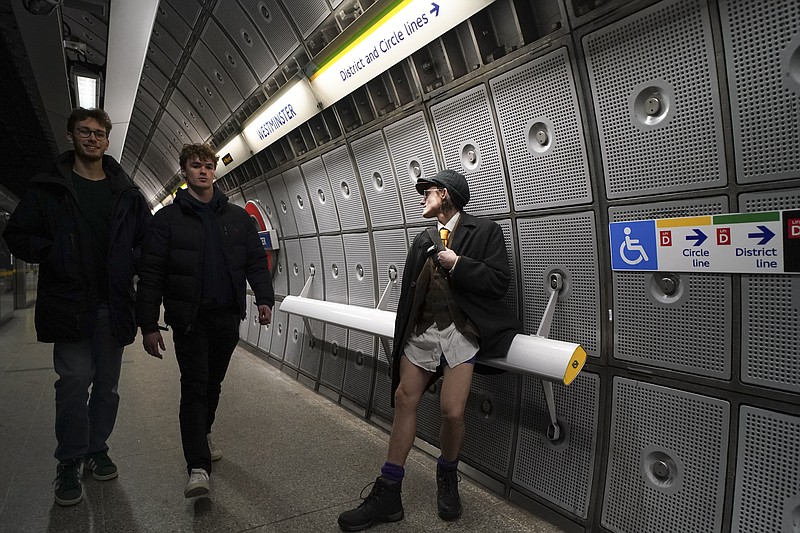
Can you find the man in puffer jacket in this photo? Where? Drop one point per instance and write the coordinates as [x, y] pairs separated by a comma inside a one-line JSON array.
[[198, 255], [84, 223]]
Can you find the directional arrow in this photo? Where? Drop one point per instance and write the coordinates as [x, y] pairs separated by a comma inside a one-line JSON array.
[[699, 237], [435, 9], [765, 235]]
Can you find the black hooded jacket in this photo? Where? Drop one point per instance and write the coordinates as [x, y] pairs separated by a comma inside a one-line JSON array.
[[173, 262], [48, 228]]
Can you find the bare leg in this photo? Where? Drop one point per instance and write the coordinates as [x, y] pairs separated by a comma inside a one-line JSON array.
[[455, 392], [413, 380]]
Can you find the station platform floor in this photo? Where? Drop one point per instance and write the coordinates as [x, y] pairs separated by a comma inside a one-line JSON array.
[[293, 460]]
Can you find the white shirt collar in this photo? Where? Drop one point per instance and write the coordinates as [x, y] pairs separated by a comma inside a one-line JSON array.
[[451, 224]]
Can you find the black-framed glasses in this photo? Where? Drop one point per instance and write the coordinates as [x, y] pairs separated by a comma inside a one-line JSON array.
[[426, 192], [85, 133]]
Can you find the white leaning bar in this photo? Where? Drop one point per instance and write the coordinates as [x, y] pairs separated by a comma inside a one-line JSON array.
[[547, 359]]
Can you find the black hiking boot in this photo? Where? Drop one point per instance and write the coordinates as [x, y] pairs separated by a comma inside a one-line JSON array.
[[382, 504], [447, 498]]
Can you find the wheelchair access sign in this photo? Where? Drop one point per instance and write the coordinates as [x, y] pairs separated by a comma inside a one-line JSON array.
[[752, 243]]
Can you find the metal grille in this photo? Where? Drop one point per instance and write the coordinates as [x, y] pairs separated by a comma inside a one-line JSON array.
[[674, 462], [300, 204], [412, 156], [542, 131], [345, 188], [313, 259], [469, 144], [154, 81], [294, 339], [360, 272], [279, 332], [333, 357], [767, 497], [761, 41], [280, 279], [169, 18], [158, 57], [246, 36], [264, 198], [188, 9], [179, 104], [308, 14], [334, 269], [283, 206], [311, 349], [207, 116], [560, 471], [294, 266], [265, 338], [392, 257], [360, 361], [319, 191], [567, 245], [274, 26], [685, 330], [218, 94], [229, 58], [380, 186], [651, 102], [489, 417], [771, 311]]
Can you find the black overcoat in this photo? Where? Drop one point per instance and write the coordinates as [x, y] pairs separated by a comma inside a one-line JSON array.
[[479, 282]]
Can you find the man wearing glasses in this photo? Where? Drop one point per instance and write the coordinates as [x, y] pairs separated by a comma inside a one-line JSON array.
[[84, 223], [450, 311]]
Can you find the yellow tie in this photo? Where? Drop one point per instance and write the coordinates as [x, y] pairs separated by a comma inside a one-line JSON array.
[[444, 233]]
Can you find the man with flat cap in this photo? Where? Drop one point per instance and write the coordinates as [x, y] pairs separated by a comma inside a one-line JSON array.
[[450, 311]]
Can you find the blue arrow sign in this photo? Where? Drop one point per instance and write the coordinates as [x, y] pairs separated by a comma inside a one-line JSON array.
[[765, 235], [699, 237], [435, 10]]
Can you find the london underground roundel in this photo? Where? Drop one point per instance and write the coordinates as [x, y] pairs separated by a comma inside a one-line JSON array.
[[267, 234]]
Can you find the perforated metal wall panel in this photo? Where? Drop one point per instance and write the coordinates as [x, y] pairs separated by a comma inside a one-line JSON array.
[[237, 199], [189, 10], [265, 338], [311, 349], [767, 496], [153, 80], [308, 14], [468, 142], [300, 203], [377, 178], [489, 418], [146, 103], [279, 332], [209, 89], [542, 131], [511, 295], [762, 44], [561, 471], [565, 244], [280, 278], [185, 135], [162, 37], [206, 114], [345, 188], [334, 269], [167, 17], [218, 73], [312, 258], [319, 191], [294, 266], [158, 57], [670, 320], [264, 198], [247, 38], [668, 452], [412, 156], [283, 206], [273, 25], [334, 357], [179, 106], [390, 253], [360, 362], [771, 311], [229, 58], [294, 339], [360, 270], [649, 100]]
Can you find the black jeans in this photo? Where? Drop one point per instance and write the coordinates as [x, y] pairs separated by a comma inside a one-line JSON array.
[[84, 422], [203, 355]]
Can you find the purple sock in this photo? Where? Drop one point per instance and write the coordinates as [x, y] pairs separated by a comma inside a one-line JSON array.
[[392, 472], [447, 466]]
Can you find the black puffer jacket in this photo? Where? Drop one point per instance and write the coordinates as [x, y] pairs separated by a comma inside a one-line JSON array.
[[171, 266], [47, 228]]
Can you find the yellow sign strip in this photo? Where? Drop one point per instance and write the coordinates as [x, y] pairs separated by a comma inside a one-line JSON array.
[[685, 221]]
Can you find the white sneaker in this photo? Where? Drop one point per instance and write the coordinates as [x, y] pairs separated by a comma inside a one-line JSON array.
[[198, 483], [216, 453]]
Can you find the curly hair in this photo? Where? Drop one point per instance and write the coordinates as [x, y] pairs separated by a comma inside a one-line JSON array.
[[202, 151], [79, 113]]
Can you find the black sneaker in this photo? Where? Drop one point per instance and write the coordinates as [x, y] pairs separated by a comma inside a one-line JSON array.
[[447, 498], [69, 490], [382, 504], [101, 466]]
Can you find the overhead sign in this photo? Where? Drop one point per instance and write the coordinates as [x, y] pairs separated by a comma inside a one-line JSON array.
[[392, 35], [754, 243]]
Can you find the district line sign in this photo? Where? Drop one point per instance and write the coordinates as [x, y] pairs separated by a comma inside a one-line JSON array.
[[748, 243]]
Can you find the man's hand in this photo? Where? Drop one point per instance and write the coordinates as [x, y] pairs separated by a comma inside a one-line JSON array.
[[447, 258], [264, 315], [152, 342]]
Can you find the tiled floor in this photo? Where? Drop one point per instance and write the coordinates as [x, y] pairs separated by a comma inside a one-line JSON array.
[[293, 460]]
